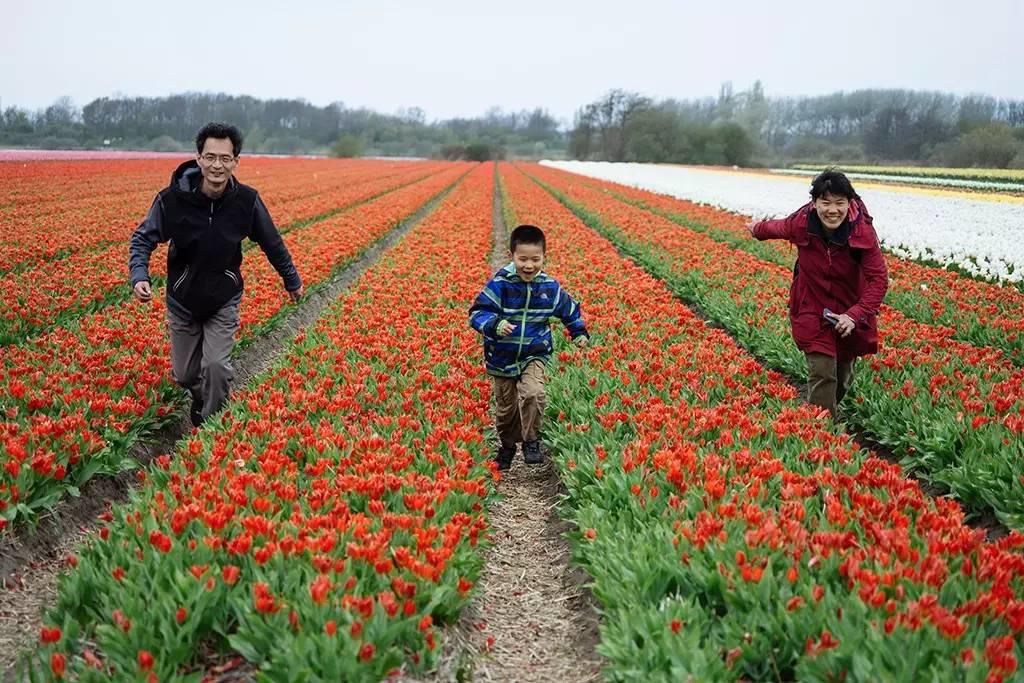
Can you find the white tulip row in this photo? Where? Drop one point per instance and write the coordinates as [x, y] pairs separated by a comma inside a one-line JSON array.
[[985, 238], [916, 180]]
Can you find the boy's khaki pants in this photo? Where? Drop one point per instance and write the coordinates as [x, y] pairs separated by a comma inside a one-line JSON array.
[[519, 404], [828, 380]]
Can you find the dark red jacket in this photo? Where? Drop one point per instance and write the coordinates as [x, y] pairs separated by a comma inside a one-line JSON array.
[[848, 278]]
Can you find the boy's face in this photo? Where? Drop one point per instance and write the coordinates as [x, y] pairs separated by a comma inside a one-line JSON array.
[[528, 259]]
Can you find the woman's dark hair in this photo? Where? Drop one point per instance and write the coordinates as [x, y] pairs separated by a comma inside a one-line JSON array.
[[832, 181], [219, 131], [527, 234]]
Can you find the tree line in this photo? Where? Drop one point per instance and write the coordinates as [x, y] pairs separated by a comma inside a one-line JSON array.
[[280, 126], [748, 128], [735, 128]]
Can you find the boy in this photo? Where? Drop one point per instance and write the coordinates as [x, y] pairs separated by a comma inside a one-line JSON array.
[[512, 314]]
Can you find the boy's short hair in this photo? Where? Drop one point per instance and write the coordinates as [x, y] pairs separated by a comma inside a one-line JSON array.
[[527, 234], [832, 181], [219, 131]]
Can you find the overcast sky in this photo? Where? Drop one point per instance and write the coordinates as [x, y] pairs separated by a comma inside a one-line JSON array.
[[458, 58]]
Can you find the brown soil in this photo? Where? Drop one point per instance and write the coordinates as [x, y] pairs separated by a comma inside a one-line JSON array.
[[532, 617]]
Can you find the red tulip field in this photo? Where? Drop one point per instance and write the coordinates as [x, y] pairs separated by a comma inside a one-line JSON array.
[[338, 519]]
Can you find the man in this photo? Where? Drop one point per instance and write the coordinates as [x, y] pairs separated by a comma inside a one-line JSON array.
[[205, 213]]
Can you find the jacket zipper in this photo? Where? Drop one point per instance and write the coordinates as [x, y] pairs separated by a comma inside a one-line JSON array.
[[522, 327], [181, 279]]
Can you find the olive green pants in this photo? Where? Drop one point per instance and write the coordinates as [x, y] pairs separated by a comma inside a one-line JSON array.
[[828, 380]]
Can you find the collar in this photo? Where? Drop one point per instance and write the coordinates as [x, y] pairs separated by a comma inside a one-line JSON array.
[[840, 236]]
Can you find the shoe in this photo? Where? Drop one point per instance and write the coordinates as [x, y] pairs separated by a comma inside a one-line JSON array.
[[504, 457], [531, 453], [196, 413]]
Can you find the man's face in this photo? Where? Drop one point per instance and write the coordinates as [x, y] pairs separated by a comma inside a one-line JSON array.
[[528, 259], [832, 209], [217, 161]]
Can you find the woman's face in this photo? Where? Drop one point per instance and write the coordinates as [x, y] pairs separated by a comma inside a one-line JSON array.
[[831, 209]]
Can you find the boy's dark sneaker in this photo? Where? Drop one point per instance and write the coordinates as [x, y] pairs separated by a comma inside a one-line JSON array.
[[504, 457], [196, 413], [531, 453]]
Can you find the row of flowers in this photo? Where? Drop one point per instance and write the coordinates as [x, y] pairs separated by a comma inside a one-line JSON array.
[[49, 293], [953, 412], [981, 313], [331, 519], [917, 179], [1004, 175], [53, 209], [77, 397], [729, 533], [962, 232]]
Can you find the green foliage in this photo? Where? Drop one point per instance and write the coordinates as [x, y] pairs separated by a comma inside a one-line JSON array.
[[990, 146], [453, 152], [864, 125], [278, 126], [165, 143], [347, 147], [478, 151]]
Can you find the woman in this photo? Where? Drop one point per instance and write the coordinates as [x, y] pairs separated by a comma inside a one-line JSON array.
[[839, 281]]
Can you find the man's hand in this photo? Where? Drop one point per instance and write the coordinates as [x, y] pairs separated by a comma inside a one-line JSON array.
[[297, 294], [143, 291], [845, 326], [504, 328], [580, 341]]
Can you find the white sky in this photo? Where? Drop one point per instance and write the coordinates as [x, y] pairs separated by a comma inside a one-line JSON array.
[[458, 58]]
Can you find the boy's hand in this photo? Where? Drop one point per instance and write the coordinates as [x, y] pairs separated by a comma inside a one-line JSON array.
[[580, 341], [504, 328]]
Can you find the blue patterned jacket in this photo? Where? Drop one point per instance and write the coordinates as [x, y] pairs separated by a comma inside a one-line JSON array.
[[529, 306]]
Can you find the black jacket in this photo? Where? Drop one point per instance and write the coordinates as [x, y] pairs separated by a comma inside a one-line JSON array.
[[204, 258]]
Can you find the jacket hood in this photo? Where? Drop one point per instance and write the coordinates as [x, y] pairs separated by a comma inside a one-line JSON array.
[[182, 177]]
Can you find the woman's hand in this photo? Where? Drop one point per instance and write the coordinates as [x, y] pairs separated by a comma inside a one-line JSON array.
[[845, 325], [754, 222]]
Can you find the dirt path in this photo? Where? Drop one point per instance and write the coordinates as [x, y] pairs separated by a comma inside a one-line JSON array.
[[31, 562], [531, 619]]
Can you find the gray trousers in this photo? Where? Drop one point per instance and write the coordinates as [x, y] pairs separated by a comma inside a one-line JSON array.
[[201, 352]]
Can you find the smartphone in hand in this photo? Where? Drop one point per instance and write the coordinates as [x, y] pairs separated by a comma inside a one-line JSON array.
[[831, 317]]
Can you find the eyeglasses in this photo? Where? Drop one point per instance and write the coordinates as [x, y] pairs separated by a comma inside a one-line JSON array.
[[224, 159]]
